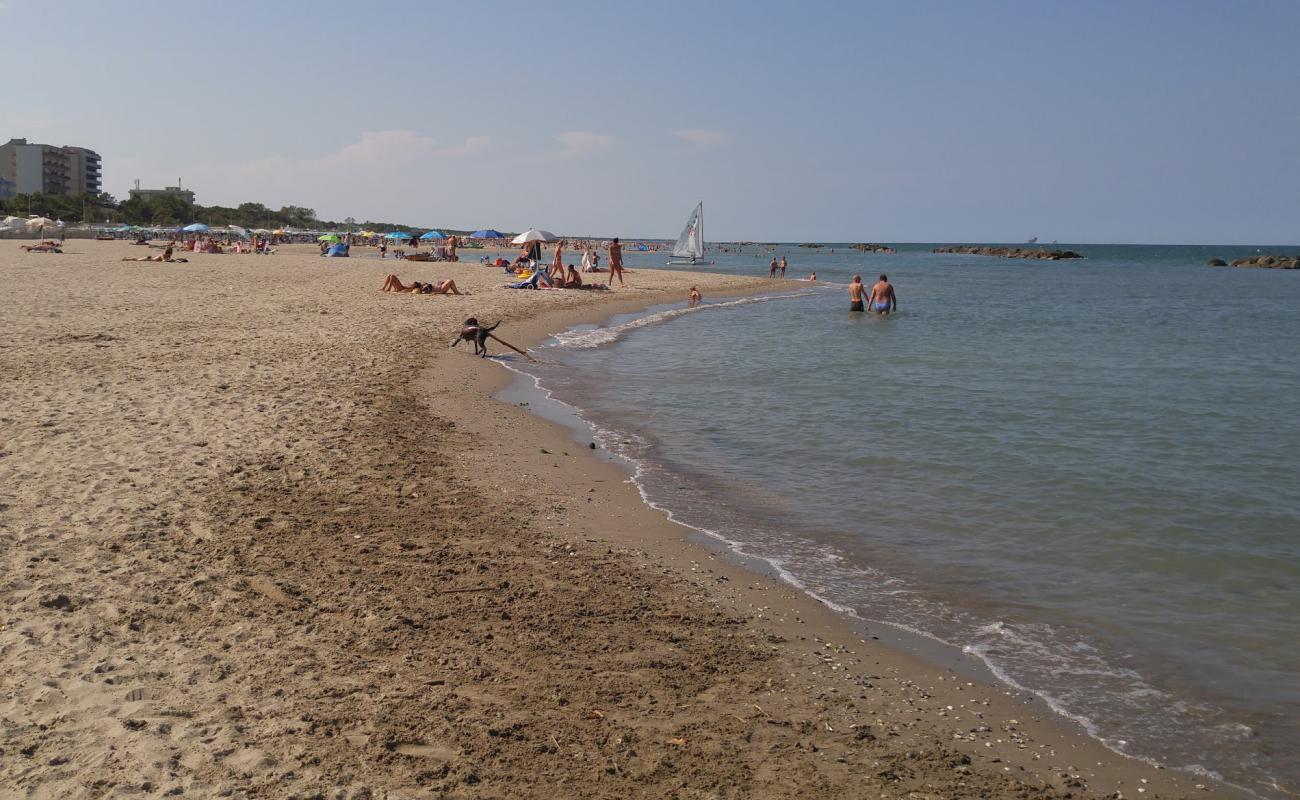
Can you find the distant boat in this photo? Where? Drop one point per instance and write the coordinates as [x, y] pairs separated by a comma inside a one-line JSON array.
[[1032, 240], [690, 245]]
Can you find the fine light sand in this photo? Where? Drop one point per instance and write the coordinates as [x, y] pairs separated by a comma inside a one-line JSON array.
[[261, 535]]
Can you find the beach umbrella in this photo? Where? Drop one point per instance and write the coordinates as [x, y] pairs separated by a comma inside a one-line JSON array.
[[433, 235], [397, 235], [487, 234], [197, 227], [238, 231], [329, 237], [534, 235], [10, 222], [40, 222]]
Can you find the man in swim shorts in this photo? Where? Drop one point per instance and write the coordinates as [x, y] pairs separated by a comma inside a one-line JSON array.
[[857, 292], [882, 299]]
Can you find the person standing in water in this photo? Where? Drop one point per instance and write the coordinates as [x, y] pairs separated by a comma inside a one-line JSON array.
[[771, 269], [882, 299], [783, 266], [615, 263], [693, 298], [857, 294]]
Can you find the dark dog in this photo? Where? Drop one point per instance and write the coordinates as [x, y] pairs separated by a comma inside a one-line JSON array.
[[471, 331]]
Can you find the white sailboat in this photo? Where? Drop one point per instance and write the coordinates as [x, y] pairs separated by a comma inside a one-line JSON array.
[[690, 245]]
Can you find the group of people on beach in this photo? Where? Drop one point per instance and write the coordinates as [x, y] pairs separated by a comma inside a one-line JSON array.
[[560, 275]]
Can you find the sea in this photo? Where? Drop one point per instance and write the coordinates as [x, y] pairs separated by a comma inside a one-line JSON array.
[[1084, 474]]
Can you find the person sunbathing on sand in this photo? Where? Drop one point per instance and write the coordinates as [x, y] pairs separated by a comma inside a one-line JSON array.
[[43, 247], [393, 284], [166, 255]]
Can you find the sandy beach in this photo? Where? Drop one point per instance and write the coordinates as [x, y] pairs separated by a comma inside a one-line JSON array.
[[265, 535]]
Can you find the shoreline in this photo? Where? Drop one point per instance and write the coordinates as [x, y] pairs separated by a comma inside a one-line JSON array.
[[684, 548], [264, 535]]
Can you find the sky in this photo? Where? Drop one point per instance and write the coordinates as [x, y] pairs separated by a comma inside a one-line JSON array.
[[1126, 121]]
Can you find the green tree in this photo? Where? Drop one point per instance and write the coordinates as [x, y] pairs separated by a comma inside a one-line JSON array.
[[135, 211], [170, 210]]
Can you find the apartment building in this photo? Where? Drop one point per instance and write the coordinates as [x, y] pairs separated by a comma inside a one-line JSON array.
[[48, 169]]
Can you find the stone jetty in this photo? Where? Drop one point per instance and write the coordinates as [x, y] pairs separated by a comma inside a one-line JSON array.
[[1010, 252]]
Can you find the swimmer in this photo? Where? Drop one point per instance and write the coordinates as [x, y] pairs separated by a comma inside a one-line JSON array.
[[882, 299], [812, 277], [693, 297], [857, 294]]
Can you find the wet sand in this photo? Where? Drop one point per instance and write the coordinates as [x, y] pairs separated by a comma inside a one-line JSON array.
[[264, 535]]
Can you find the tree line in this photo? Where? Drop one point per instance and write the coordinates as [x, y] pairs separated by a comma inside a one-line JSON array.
[[169, 210]]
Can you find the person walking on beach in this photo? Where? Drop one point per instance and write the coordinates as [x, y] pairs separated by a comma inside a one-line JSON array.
[[783, 266], [615, 263], [557, 262], [882, 299], [857, 294], [771, 269]]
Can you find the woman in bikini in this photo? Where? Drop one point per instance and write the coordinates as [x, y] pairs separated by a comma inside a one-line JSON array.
[[392, 284]]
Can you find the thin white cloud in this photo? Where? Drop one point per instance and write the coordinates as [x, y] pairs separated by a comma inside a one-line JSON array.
[[380, 147], [375, 150], [471, 145], [701, 137], [376, 162], [34, 120], [575, 144]]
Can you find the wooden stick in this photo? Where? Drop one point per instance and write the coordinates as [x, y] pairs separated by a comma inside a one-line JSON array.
[[512, 347]]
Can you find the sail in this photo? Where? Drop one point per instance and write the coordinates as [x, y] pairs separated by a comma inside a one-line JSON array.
[[691, 242]]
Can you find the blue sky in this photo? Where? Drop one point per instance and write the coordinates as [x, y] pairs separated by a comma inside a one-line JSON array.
[[920, 121]]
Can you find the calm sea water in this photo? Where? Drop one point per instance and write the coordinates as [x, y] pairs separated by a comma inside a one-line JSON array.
[[1086, 473]]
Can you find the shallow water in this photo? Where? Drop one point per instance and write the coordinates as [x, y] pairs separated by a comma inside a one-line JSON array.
[[1083, 472]]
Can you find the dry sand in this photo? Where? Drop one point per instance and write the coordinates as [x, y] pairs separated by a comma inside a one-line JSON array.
[[260, 537]]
